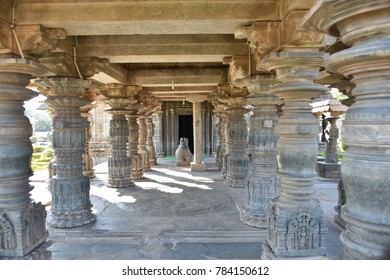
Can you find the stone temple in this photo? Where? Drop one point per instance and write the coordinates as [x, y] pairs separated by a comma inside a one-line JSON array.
[[247, 82]]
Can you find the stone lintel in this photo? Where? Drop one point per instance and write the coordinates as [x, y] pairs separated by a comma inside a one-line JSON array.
[[153, 77], [162, 48], [184, 17]]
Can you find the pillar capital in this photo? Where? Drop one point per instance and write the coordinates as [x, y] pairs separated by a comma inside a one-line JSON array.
[[196, 98], [35, 40], [296, 70]]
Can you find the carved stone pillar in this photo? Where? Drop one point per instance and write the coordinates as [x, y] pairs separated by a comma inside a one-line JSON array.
[[220, 114], [224, 153], [119, 163], [136, 158], [22, 221], [158, 134], [142, 149], [329, 108], [332, 134], [365, 27], [85, 113], [297, 225], [71, 205], [149, 140], [197, 164], [237, 161], [262, 182]]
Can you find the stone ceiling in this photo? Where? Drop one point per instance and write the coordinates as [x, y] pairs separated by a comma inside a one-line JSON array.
[[170, 48]]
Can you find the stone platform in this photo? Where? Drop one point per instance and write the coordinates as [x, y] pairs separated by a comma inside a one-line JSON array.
[[171, 214]]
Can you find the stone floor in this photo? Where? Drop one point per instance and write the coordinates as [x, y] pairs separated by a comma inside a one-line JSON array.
[[171, 214]]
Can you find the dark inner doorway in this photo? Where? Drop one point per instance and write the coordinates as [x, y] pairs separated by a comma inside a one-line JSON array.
[[186, 130]]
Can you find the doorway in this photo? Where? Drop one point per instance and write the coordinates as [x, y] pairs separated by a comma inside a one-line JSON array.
[[186, 130]]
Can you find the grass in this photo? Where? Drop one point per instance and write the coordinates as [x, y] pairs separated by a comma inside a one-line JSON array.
[[41, 158]]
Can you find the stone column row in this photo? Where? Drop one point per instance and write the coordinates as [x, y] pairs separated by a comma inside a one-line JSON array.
[[365, 27]]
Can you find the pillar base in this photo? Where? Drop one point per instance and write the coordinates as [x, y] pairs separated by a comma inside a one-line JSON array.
[[22, 231], [183, 163], [120, 183], [137, 174], [296, 231], [253, 217], [198, 166], [234, 182], [76, 192], [328, 170], [268, 254]]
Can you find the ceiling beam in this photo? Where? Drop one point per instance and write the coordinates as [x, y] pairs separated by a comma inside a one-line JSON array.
[[177, 77], [161, 48], [86, 17]]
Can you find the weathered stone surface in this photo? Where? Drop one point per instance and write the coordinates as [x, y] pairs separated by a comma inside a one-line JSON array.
[[183, 153], [185, 17], [119, 163], [364, 26], [262, 180], [71, 206], [136, 158], [297, 225], [157, 135], [237, 161], [22, 221]]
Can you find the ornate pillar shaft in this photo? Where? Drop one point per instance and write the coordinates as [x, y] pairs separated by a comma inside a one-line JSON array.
[[87, 158], [262, 182], [142, 149], [149, 140], [119, 163], [71, 206], [365, 27], [158, 137], [331, 154], [237, 161], [197, 110], [297, 225], [224, 153], [136, 158], [197, 164], [22, 222], [216, 132]]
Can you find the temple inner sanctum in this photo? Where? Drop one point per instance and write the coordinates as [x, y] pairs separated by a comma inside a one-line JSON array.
[[241, 129]]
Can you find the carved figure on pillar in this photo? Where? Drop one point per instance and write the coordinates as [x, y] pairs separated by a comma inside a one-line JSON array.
[[71, 205], [22, 221], [119, 163], [297, 225], [365, 27], [262, 182]]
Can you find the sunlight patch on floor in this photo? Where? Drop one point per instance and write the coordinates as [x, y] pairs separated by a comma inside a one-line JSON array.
[[163, 179], [158, 186], [111, 195]]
